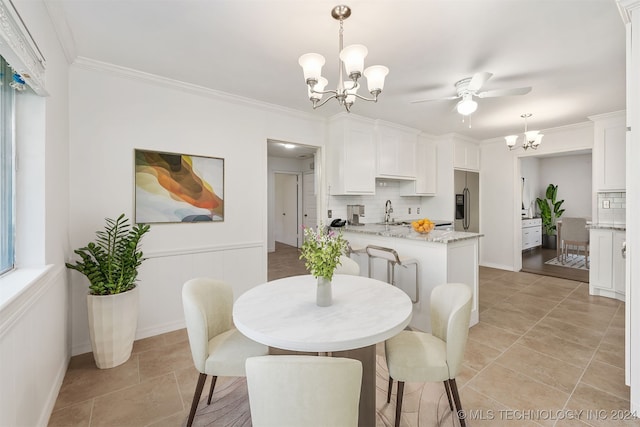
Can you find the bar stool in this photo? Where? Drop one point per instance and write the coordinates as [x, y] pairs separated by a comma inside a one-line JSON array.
[[393, 259]]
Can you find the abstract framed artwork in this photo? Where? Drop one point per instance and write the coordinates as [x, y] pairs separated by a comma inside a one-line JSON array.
[[171, 187]]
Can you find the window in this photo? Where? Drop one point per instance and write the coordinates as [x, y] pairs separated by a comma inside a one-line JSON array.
[[7, 120]]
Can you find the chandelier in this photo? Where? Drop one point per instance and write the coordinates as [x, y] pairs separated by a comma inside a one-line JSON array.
[[532, 138], [350, 63]]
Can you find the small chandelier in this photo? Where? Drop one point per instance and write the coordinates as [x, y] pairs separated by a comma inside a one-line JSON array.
[[351, 63], [532, 138]]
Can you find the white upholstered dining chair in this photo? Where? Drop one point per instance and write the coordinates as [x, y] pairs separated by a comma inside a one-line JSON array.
[[421, 357], [347, 266], [217, 347], [309, 391]]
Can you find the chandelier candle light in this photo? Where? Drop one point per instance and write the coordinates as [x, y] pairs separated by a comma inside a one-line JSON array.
[[532, 138], [351, 64]]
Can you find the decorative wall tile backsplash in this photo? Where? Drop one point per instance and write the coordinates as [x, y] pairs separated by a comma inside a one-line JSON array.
[[612, 208]]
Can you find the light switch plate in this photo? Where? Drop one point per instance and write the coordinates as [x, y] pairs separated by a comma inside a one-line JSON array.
[[606, 204]]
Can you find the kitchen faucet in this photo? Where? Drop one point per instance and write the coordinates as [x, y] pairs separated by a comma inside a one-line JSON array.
[[387, 211]]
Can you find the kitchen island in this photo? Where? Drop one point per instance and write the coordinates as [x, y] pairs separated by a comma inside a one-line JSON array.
[[443, 257]]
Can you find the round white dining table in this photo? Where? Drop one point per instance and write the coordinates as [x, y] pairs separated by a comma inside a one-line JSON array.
[[283, 314]]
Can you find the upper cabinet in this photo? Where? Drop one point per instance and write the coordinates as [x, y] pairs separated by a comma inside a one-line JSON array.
[[466, 155], [396, 150], [609, 152], [425, 183], [351, 156]]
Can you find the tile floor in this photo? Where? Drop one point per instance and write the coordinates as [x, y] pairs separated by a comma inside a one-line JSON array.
[[544, 353]]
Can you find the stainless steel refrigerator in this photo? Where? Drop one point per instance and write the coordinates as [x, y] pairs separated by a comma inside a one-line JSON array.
[[467, 203]]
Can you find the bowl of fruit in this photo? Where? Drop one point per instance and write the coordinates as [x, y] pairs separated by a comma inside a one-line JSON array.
[[423, 226]]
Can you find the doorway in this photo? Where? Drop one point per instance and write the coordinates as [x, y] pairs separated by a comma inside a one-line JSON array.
[[572, 172], [292, 193]]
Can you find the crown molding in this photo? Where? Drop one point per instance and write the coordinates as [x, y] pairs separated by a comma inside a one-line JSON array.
[[19, 49], [124, 72], [62, 30]]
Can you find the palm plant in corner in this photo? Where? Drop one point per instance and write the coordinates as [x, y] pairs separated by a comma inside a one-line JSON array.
[[550, 211], [111, 265]]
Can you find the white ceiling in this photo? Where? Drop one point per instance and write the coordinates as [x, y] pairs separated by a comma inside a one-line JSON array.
[[571, 52]]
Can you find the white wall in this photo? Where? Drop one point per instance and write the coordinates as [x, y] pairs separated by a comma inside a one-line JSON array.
[[530, 171], [500, 188], [572, 175], [34, 325], [113, 112]]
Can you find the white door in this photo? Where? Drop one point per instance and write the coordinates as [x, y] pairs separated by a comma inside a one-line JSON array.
[[286, 220], [309, 204]]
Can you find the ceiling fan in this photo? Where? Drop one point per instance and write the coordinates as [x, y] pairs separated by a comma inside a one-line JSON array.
[[469, 87]]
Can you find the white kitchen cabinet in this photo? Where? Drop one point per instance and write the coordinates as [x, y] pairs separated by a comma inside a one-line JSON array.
[[607, 265], [396, 152], [351, 156], [466, 155], [609, 152], [425, 183], [531, 233]]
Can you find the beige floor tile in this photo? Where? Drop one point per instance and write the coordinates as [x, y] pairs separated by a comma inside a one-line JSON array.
[[481, 410], [509, 318], [599, 408], [559, 348], [582, 295], [555, 291], [139, 405], [176, 420], [533, 305], [517, 391], [177, 336], [84, 380], [612, 354], [603, 312], [492, 336], [571, 422], [607, 378], [465, 375], [488, 273], [584, 336], [478, 355], [160, 361], [583, 319], [519, 278], [618, 320], [550, 371], [146, 344], [78, 415], [502, 287]]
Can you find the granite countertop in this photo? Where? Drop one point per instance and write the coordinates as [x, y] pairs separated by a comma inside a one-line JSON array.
[[407, 232]]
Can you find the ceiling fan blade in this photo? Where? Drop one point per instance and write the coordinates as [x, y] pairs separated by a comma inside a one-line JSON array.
[[478, 80], [435, 99], [504, 92]]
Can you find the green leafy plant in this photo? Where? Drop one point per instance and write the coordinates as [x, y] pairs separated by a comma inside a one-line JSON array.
[[111, 262], [321, 251], [550, 209]]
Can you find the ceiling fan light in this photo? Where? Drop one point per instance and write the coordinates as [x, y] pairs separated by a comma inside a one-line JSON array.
[[375, 77], [511, 140], [353, 58], [467, 106], [311, 64], [318, 87]]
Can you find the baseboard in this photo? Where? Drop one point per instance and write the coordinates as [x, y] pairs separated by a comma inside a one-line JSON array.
[[50, 403], [497, 266]]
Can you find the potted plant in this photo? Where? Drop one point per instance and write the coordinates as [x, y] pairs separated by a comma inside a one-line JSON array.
[[321, 251], [550, 210], [111, 265]]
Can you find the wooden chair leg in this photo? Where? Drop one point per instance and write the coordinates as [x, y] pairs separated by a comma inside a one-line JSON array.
[[446, 387], [196, 398], [389, 389], [456, 399], [213, 384], [399, 402]]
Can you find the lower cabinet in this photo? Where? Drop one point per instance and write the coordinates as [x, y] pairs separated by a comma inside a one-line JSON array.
[[607, 264], [531, 233]]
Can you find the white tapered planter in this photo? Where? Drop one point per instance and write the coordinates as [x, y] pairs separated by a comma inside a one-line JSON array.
[[113, 320]]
